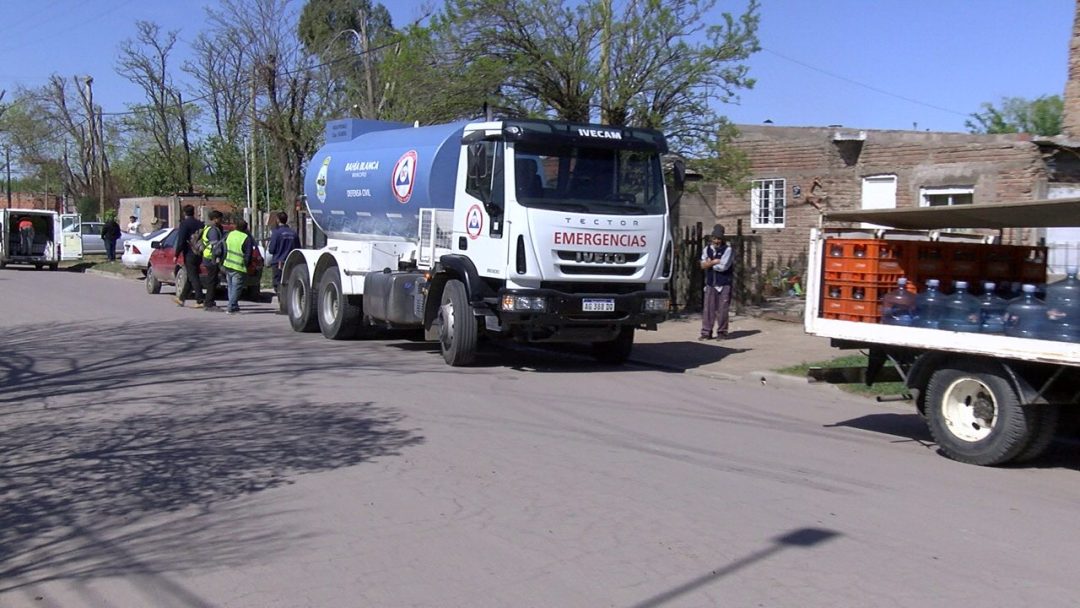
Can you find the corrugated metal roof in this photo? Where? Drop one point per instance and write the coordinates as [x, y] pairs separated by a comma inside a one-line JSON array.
[[1062, 212]]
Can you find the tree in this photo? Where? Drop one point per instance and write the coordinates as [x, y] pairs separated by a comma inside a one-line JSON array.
[[650, 63], [1041, 116]]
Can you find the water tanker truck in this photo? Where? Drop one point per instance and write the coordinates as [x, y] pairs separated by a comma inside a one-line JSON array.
[[527, 230]]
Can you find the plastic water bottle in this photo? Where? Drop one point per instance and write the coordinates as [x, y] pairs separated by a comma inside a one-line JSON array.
[[898, 306], [1026, 316], [1063, 309], [991, 311], [928, 306], [961, 310]]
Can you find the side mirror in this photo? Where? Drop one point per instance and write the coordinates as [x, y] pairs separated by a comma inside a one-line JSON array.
[[678, 172], [155, 244]]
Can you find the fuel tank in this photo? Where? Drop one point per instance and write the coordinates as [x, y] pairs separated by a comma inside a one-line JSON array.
[[372, 177]]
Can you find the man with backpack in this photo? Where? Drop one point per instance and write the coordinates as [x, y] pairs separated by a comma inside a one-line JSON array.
[[189, 227], [213, 252]]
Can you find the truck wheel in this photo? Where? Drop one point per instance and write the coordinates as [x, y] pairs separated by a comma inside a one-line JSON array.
[[1046, 428], [615, 351], [153, 286], [338, 318], [298, 301], [3, 265], [975, 416], [181, 281], [457, 325], [53, 267], [252, 293]]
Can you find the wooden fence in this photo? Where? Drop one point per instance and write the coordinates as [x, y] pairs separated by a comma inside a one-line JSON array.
[[688, 279]]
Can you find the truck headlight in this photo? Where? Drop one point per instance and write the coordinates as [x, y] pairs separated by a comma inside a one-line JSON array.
[[657, 304], [515, 303]]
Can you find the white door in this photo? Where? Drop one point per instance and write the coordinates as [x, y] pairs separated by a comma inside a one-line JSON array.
[[71, 245], [1064, 243], [878, 192]]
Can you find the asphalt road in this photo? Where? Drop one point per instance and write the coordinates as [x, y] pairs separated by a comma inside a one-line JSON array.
[[157, 456]]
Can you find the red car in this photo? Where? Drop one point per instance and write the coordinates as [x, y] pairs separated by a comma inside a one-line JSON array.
[[165, 271]]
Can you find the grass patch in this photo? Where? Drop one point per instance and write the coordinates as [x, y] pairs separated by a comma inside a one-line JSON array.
[[878, 388]]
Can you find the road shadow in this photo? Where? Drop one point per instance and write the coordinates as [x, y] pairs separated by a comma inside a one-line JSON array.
[[110, 429], [907, 427], [682, 356], [742, 333]]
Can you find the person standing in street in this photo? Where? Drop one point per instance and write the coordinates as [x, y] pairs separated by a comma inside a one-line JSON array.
[[110, 233], [716, 261], [238, 248], [283, 240], [26, 235], [213, 240], [184, 255]]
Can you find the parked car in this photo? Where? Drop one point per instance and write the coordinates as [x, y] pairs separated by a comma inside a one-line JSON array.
[[92, 243], [137, 251], [163, 269]]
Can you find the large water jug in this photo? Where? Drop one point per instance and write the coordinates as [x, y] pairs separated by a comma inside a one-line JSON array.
[[928, 306], [898, 306], [961, 311], [991, 311], [1063, 309], [1026, 316]]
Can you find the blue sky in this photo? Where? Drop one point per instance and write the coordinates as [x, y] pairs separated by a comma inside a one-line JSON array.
[[875, 64]]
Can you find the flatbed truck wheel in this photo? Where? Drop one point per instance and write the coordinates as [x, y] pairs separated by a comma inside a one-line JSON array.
[[615, 351], [457, 325], [299, 301], [53, 267], [1046, 429], [975, 415], [338, 317]]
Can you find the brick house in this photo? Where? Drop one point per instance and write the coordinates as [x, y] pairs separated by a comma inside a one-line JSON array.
[[155, 212]]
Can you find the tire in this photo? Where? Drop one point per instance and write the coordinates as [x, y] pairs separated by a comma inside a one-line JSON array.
[[338, 317], [298, 301], [37, 266], [3, 265], [252, 293], [615, 351], [53, 267], [457, 325], [181, 281], [975, 416], [153, 285], [1046, 429]]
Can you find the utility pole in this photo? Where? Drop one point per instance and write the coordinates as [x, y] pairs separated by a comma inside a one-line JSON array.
[[101, 164], [94, 144], [253, 193], [7, 163]]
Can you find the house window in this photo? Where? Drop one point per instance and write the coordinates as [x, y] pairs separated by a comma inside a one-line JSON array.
[[945, 197], [161, 212], [767, 203]]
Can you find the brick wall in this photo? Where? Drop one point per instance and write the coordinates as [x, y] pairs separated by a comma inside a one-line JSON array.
[[32, 200], [1071, 124], [830, 175]]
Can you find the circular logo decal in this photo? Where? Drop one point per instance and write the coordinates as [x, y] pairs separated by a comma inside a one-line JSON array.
[[403, 176], [474, 222], [320, 180]]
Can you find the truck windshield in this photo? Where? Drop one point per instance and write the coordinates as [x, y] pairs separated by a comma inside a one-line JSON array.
[[588, 179]]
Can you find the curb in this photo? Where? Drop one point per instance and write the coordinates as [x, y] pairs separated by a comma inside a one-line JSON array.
[[109, 275]]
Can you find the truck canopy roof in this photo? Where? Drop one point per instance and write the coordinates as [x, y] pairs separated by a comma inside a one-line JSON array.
[[1046, 213]]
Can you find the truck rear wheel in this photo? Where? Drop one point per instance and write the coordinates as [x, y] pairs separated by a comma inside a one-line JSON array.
[[975, 415], [615, 351], [298, 301], [1046, 428], [457, 325], [153, 285], [338, 318]]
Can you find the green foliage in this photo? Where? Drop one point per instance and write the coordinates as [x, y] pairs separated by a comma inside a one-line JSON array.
[[87, 207], [1041, 116]]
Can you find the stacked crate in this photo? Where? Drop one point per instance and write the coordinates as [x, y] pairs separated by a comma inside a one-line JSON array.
[[858, 272]]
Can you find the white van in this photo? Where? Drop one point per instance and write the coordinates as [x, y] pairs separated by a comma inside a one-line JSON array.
[[56, 238]]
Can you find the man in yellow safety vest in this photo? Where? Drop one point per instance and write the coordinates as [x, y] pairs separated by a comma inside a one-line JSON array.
[[238, 248]]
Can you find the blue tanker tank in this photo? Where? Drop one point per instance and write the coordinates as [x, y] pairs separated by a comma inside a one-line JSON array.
[[372, 177]]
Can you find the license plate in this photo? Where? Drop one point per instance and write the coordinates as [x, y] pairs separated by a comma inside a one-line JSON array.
[[598, 305]]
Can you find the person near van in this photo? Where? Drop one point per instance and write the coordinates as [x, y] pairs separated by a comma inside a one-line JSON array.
[[26, 235], [238, 250], [716, 261], [283, 240], [110, 233], [184, 255], [213, 238], [133, 224]]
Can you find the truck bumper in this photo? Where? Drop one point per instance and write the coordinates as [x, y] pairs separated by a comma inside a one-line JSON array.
[[566, 317]]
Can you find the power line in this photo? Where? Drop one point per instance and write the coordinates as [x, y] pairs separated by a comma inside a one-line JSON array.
[[864, 85]]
